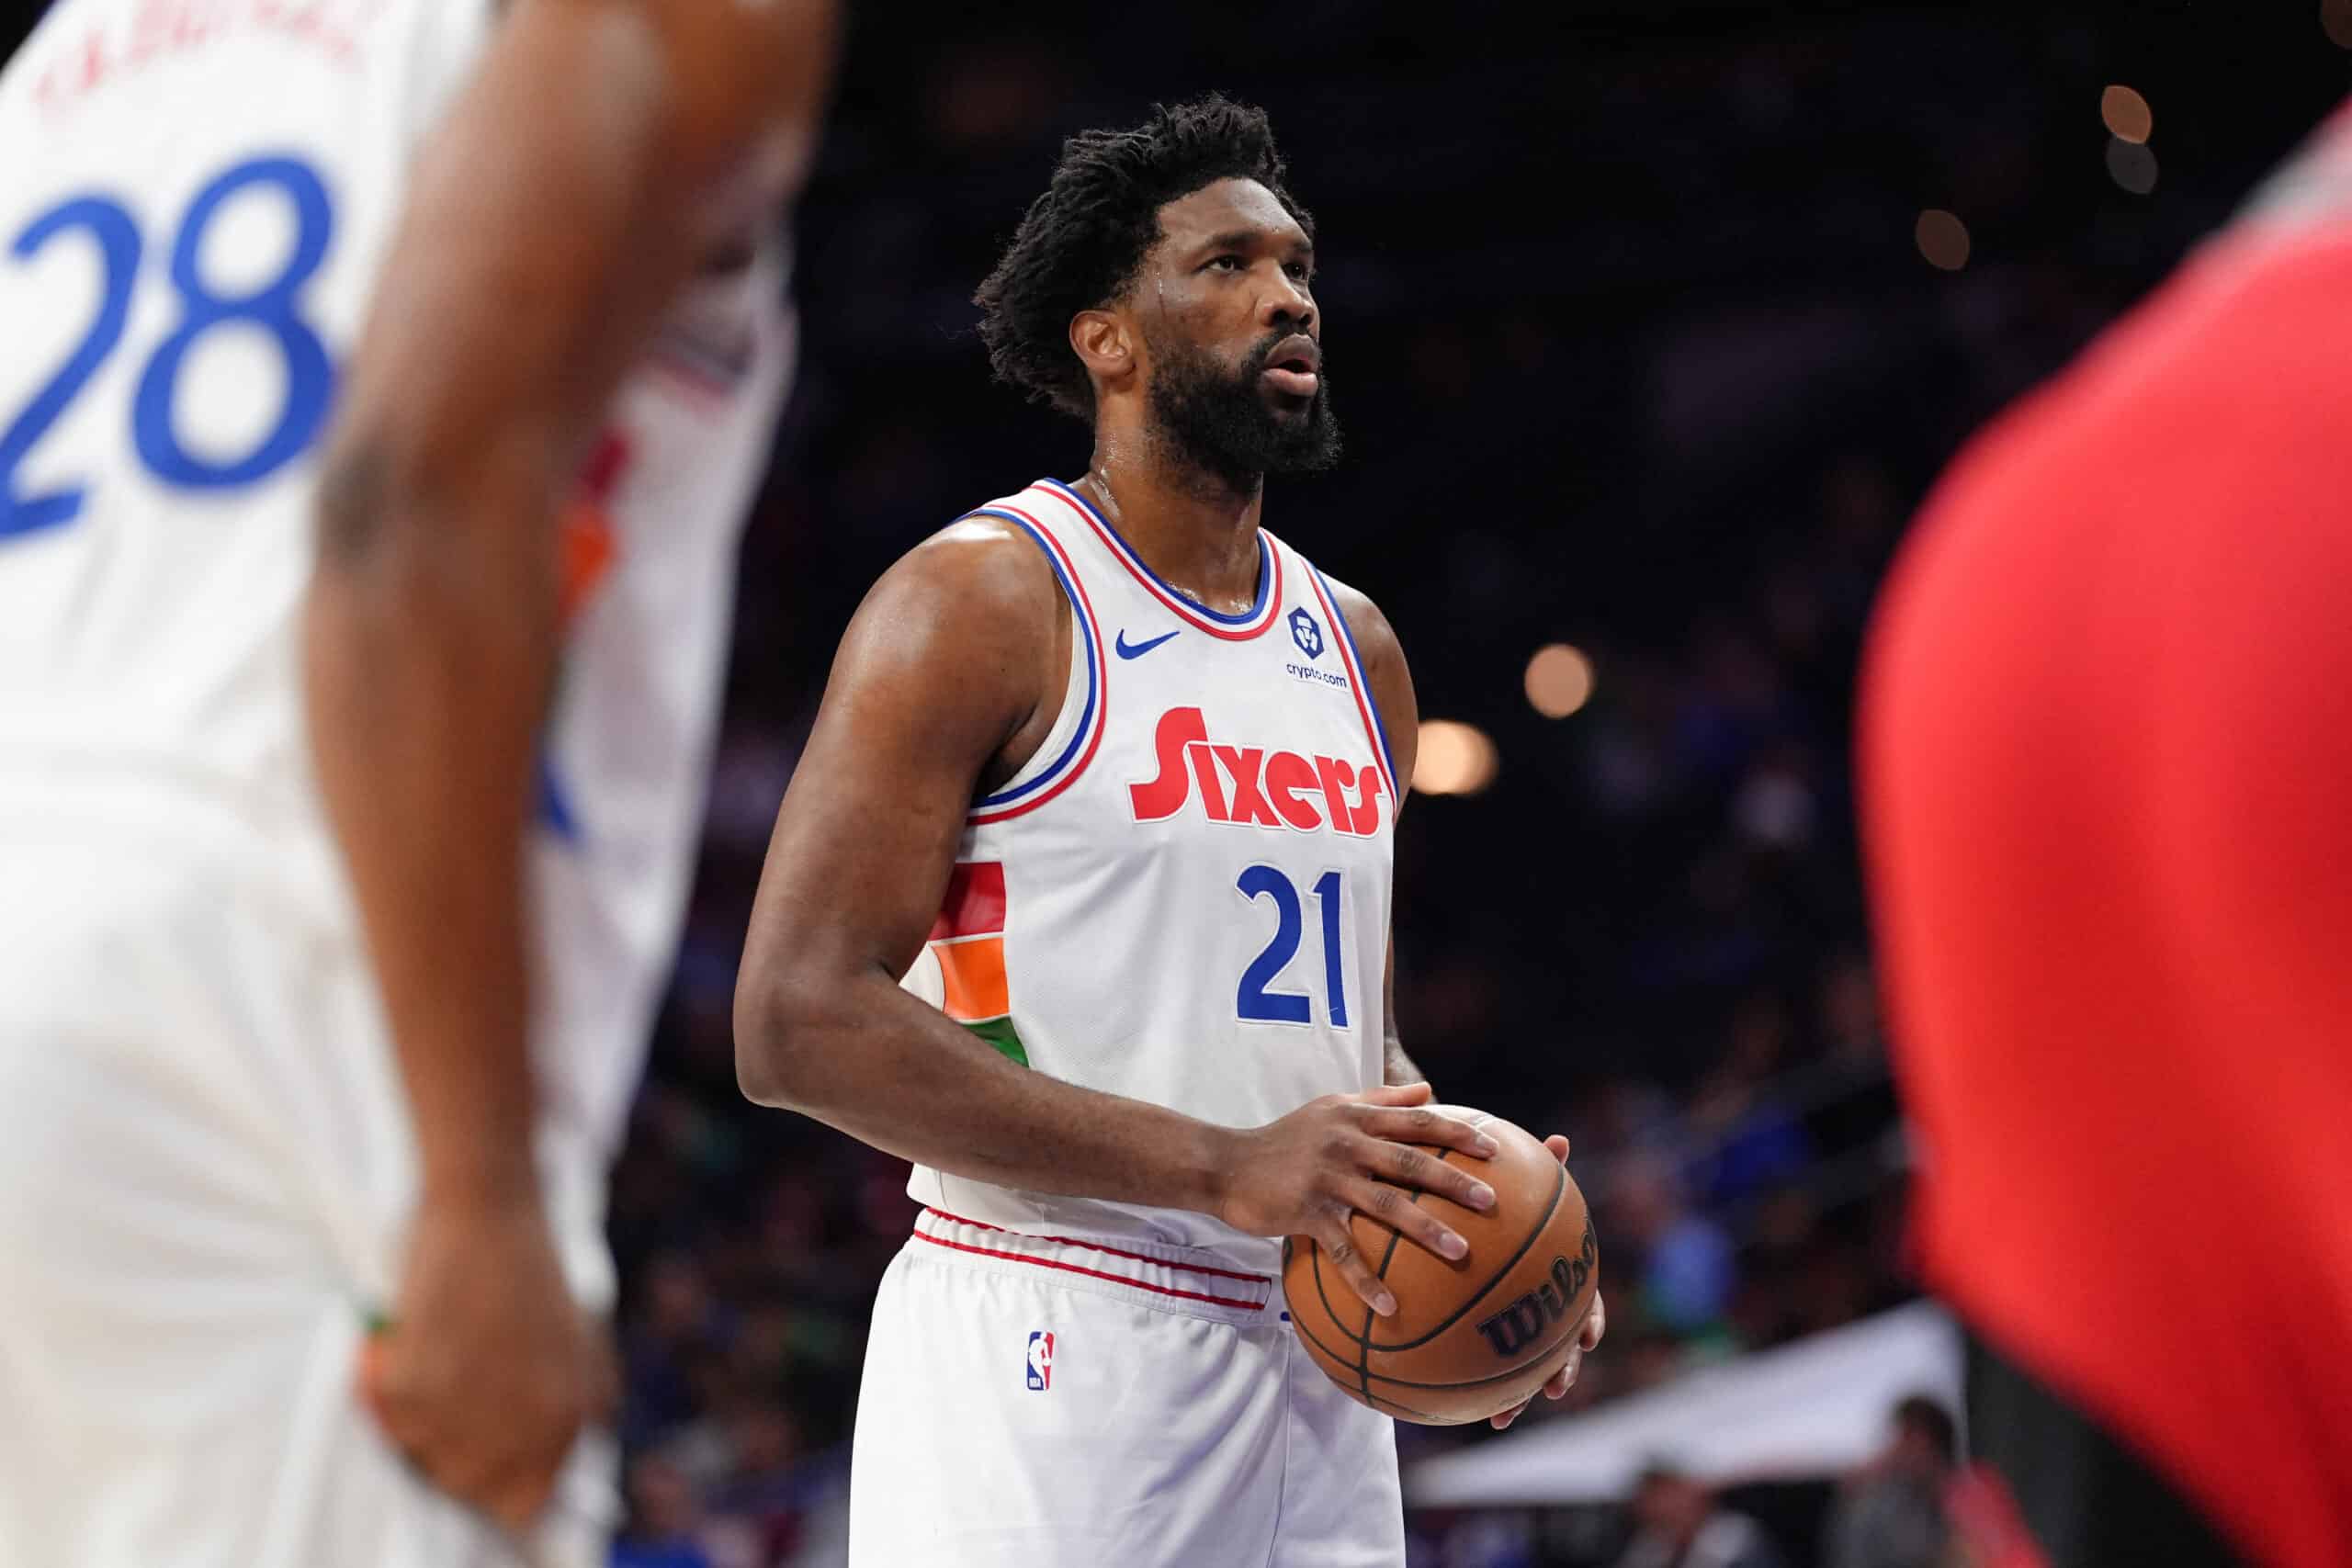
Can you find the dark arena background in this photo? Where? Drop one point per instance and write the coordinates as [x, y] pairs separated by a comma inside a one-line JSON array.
[[1651, 324]]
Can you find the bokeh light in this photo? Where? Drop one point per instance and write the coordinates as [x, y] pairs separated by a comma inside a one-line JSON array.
[[1942, 238], [1455, 759], [2335, 20], [1559, 680], [2126, 114], [2133, 166]]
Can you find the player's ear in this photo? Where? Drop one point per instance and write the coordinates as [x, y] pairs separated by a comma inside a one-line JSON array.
[[1104, 344]]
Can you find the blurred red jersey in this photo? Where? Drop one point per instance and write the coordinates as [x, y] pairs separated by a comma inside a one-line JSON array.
[[2106, 764]]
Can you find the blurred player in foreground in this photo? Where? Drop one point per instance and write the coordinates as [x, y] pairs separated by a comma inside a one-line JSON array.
[[279, 708], [1105, 771], [2106, 756]]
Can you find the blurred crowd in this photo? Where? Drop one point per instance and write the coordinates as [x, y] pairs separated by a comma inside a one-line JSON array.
[[1635, 351]]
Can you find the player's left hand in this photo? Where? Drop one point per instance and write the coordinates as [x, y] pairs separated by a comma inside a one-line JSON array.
[[1595, 1323]]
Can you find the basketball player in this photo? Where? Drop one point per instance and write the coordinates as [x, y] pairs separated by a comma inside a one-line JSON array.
[[1108, 773], [2105, 750], [525, 259]]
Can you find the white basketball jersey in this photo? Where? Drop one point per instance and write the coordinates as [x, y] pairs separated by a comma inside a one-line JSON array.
[[1184, 897], [195, 196]]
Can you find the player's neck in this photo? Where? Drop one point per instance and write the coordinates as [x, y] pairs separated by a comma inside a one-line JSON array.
[[1196, 530]]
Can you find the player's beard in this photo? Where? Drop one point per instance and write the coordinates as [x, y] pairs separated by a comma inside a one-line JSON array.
[[1216, 419]]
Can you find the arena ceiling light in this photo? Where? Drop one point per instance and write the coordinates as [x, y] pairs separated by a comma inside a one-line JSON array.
[[1559, 680], [1454, 758], [1942, 238]]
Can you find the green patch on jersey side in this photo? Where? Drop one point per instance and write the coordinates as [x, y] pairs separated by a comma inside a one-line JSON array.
[[999, 1032]]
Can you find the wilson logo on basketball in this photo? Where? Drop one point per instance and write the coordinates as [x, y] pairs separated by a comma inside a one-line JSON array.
[[1252, 787], [1523, 1322]]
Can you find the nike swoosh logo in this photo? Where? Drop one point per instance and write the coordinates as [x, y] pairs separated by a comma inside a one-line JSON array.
[[1137, 650]]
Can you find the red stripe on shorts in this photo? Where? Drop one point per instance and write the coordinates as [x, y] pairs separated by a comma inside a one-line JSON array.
[[1092, 1246], [1113, 1251], [1093, 1273]]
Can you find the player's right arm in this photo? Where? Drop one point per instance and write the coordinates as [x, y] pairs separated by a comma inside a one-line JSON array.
[[944, 682], [600, 151]]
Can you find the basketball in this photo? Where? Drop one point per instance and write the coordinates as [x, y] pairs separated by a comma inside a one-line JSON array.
[[1472, 1338]]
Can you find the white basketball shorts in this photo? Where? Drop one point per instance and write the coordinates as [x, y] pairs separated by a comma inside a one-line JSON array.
[[1037, 1402], [205, 1171]]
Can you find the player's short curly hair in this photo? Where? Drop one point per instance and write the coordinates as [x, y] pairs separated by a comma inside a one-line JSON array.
[[1080, 244]]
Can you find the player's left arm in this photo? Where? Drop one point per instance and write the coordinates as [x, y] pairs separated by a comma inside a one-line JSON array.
[[1397, 1068], [1391, 681]]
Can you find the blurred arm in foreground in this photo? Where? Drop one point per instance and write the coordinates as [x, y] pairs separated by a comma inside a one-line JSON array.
[[600, 152]]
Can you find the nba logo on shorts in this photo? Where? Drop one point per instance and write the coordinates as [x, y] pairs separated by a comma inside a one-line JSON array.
[[1041, 1359]]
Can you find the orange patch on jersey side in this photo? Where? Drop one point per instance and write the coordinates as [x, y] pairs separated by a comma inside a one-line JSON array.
[[587, 545], [586, 548], [973, 974]]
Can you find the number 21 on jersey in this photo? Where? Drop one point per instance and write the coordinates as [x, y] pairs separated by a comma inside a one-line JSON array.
[[1253, 1000], [272, 308]]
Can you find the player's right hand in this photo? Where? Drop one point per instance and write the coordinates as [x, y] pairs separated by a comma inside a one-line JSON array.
[[1307, 1173], [487, 1370]]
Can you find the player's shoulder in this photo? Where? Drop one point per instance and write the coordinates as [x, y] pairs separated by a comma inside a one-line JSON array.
[[1375, 637], [989, 553], [982, 570]]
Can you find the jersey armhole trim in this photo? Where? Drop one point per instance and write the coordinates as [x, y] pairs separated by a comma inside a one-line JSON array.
[[1367, 706], [1026, 796]]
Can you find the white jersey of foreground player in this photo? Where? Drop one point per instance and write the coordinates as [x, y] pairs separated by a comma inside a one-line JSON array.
[[195, 196], [1184, 897]]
